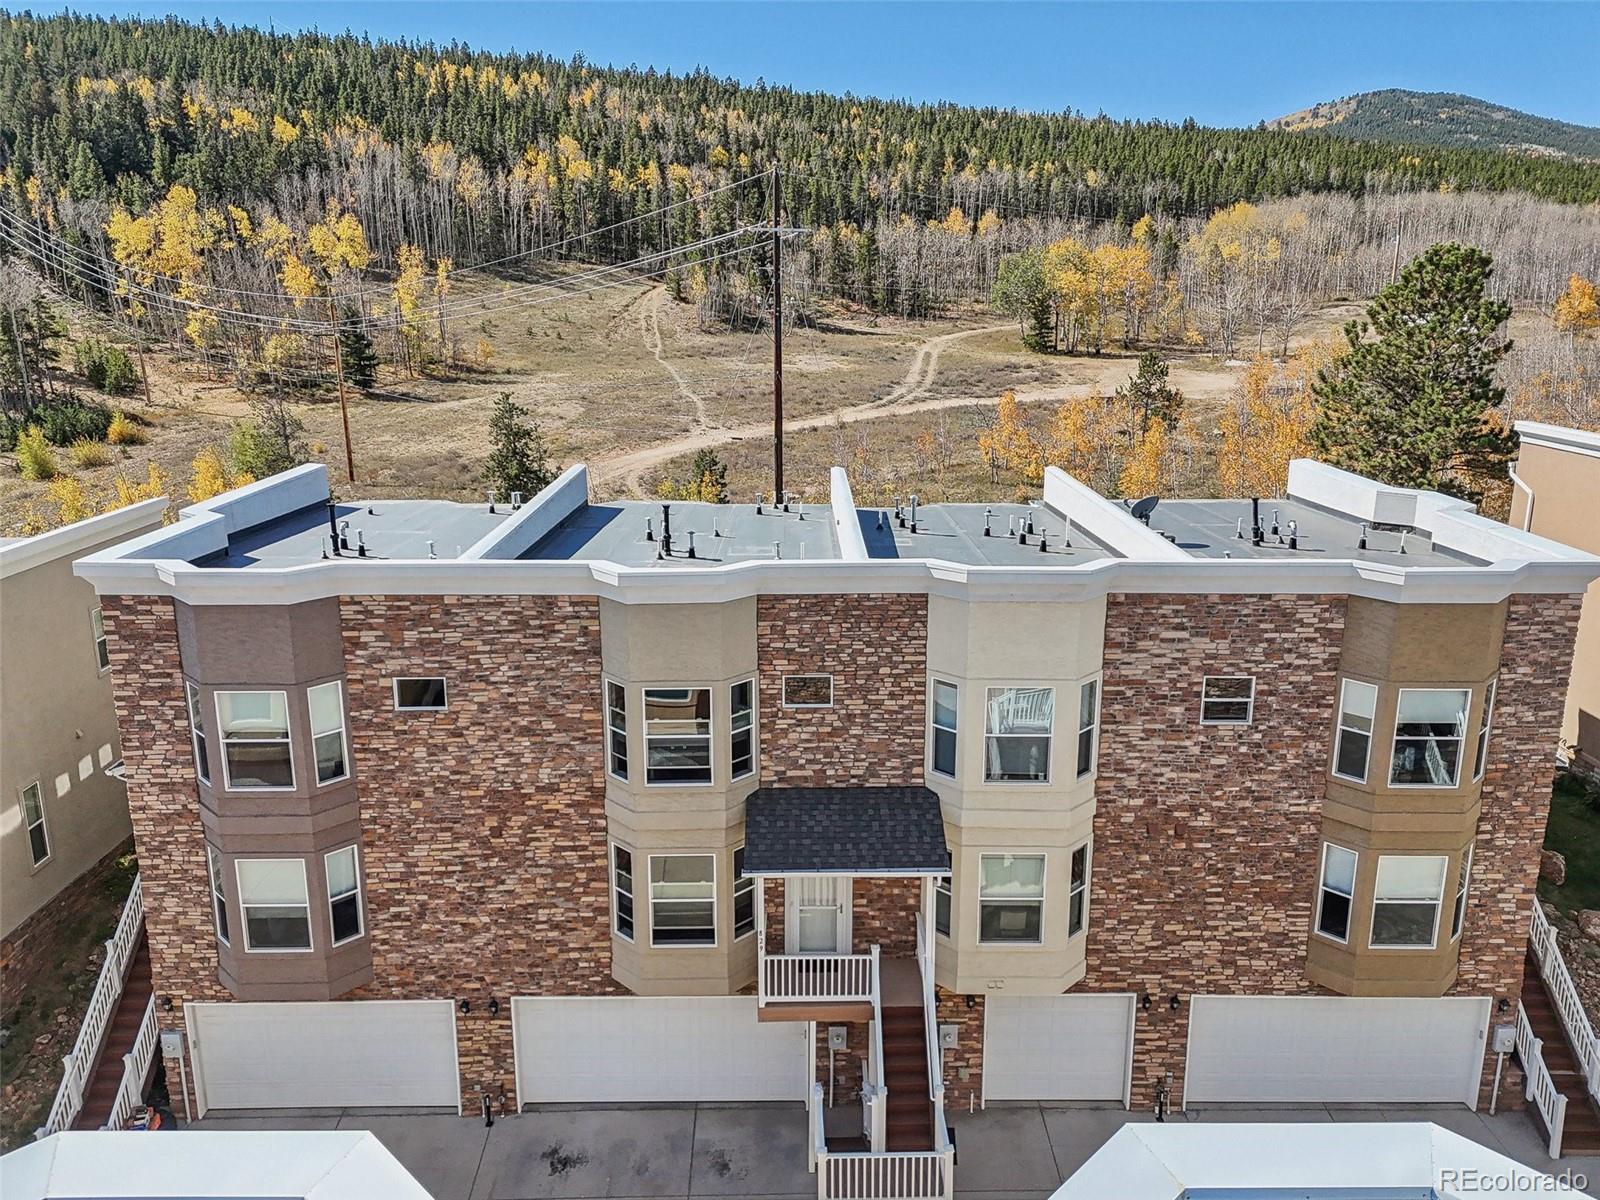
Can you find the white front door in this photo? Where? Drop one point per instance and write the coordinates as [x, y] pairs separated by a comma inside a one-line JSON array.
[[816, 914]]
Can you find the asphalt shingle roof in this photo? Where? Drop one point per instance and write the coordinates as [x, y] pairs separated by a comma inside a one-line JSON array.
[[847, 830]]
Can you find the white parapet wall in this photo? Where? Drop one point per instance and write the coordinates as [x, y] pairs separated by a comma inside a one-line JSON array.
[[518, 534], [1105, 520], [846, 522]]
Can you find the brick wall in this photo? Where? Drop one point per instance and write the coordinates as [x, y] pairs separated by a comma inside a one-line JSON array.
[[875, 647], [1206, 837], [884, 913], [963, 1066]]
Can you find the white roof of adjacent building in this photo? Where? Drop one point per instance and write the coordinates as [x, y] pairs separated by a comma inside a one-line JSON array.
[[1381, 1161], [329, 1165]]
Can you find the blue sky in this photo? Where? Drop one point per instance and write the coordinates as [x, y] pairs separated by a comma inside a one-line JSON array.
[[1221, 63]]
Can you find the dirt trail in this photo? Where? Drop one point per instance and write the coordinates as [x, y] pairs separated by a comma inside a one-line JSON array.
[[650, 328], [925, 365]]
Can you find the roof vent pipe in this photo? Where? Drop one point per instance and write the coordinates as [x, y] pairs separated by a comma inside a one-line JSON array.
[[649, 530], [777, 549], [361, 544], [491, 499], [326, 542], [666, 531], [1361, 543], [691, 543], [1030, 520], [1011, 525], [1403, 541], [1256, 533], [431, 553], [344, 535], [716, 531], [516, 501], [1239, 530], [988, 515], [333, 524], [1274, 522]]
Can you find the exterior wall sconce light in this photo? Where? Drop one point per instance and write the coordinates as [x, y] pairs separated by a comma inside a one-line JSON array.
[[494, 1008], [1503, 1005], [464, 1005], [1174, 1002], [972, 1001], [1144, 1002], [166, 1004]]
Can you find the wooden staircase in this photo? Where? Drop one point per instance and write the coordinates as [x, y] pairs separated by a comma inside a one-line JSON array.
[[1582, 1132], [909, 1121], [106, 1076]]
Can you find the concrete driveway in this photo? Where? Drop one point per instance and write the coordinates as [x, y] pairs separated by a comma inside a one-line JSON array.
[[1008, 1152]]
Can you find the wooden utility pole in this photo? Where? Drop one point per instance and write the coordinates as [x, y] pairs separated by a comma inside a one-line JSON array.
[[777, 344], [138, 333], [344, 408]]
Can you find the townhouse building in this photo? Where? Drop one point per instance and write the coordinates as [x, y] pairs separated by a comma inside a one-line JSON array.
[[893, 810]]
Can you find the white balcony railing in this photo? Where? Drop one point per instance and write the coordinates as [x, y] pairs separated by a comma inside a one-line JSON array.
[[135, 1067], [1558, 982], [817, 978], [1541, 1089], [102, 1004], [902, 1175]]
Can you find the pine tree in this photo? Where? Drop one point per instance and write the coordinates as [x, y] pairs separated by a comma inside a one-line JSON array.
[[709, 476], [1416, 407], [1149, 392], [519, 460], [356, 353]]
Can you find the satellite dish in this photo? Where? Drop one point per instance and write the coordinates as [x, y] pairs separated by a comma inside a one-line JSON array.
[[1143, 508]]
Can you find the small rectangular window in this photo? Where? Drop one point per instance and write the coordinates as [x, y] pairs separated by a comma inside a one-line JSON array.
[[622, 891], [326, 702], [1405, 903], [344, 894], [1227, 699], [942, 898], [1010, 898], [1088, 725], [1335, 896], [420, 694], [33, 820], [255, 739], [744, 898], [683, 900], [1481, 758], [677, 735], [1429, 725], [1078, 892], [102, 651], [742, 740], [943, 715], [197, 733], [616, 729], [272, 893], [1463, 882], [1017, 728], [808, 691], [1358, 705], [219, 898]]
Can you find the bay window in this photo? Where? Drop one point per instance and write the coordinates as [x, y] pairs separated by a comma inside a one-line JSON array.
[[197, 733], [622, 891], [741, 726], [1358, 705], [277, 911], [942, 897], [1463, 881], [344, 895], [219, 898], [1405, 903], [326, 704], [1429, 725], [1078, 890], [616, 729], [942, 713], [744, 898], [255, 739], [683, 900], [1337, 892], [1017, 728], [1010, 898], [1088, 725], [1481, 758], [677, 735]]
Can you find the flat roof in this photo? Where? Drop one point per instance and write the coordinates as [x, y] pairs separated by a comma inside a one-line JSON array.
[[955, 532], [1210, 529], [391, 529], [629, 532]]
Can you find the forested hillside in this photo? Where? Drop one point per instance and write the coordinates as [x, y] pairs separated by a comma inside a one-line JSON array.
[[1444, 119]]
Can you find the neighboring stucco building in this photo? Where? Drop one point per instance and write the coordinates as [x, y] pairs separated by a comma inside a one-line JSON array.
[[64, 812], [583, 801], [1557, 495]]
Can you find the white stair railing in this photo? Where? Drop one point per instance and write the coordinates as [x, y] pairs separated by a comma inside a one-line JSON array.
[[816, 978], [880, 1093], [102, 1004], [1541, 1089], [1558, 982], [930, 1032], [135, 1067]]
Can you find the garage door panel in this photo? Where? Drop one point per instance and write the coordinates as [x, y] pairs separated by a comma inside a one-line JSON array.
[[643, 1049], [1056, 1047], [1335, 1049], [337, 1054]]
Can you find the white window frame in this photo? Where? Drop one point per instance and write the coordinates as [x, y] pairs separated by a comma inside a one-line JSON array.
[[1394, 737], [1044, 890], [612, 730], [710, 736], [1249, 701], [1480, 753], [197, 732], [934, 729], [361, 910], [219, 898], [42, 824], [650, 891], [1340, 728], [1323, 889], [1458, 911], [1092, 728], [1438, 904], [631, 892], [102, 645], [743, 885], [287, 739], [344, 736], [734, 731], [244, 909], [783, 688], [1075, 890], [945, 885], [1050, 737], [394, 686]]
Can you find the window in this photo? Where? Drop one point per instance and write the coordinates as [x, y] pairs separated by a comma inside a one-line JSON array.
[[1459, 916], [1010, 897], [942, 897], [33, 819], [1227, 699], [1358, 704], [622, 891], [344, 894], [677, 735], [943, 710], [1481, 758], [327, 731], [742, 740], [197, 733], [744, 898], [616, 729], [255, 739], [1405, 906], [1088, 723], [1017, 724], [1338, 888], [808, 691], [683, 900], [1078, 892], [1428, 727], [420, 694], [272, 893], [219, 899], [102, 652]]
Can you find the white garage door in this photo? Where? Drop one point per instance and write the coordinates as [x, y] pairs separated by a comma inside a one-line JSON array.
[[336, 1054], [1335, 1049], [637, 1048], [1057, 1047]]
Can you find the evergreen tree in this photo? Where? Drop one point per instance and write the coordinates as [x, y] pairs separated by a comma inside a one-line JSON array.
[[273, 440], [356, 353], [1151, 395], [519, 460], [708, 474], [1415, 406]]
